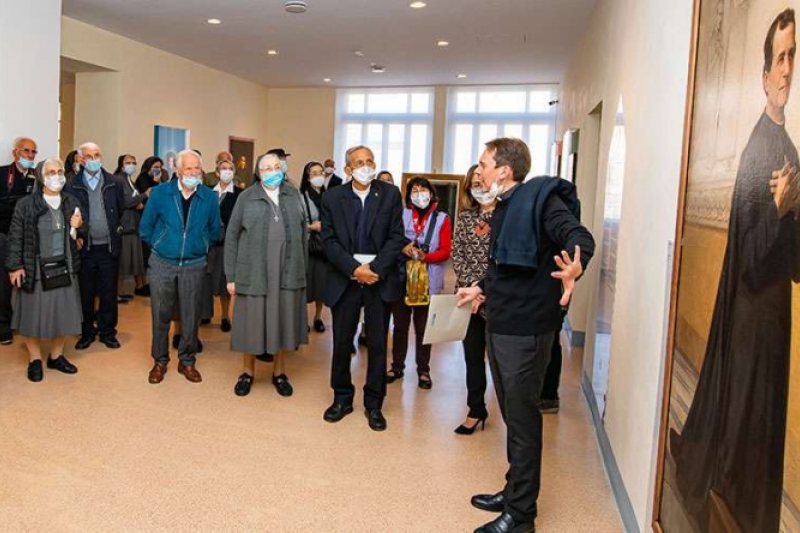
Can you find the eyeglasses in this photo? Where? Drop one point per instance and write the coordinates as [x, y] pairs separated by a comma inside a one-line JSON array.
[[31, 151]]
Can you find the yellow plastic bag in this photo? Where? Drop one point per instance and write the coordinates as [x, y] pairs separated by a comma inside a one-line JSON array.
[[417, 284]]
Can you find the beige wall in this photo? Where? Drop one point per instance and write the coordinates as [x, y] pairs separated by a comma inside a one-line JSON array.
[[639, 50], [150, 87], [67, 119]]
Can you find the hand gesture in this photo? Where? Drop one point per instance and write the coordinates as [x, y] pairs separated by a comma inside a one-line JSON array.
[[785, 189], [76, 220], [471, 295], [316, 226], [365, 275], [231, 289], [17, 277], [570, 270], [408, 250]]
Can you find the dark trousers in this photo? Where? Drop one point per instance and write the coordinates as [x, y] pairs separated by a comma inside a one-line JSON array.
[[346, 313], [5, 289], [475, 358], [98, 278], [174, 287], [402, 314], [518, 366], [552, 378]]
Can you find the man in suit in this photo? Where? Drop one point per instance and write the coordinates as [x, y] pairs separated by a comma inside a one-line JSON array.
[[331, 179], [362, 233], [102, 200]]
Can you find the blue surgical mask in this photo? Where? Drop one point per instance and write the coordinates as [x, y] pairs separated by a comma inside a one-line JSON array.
[[130, 169], [284, 167], [272, 179], [190, 182], [156, 172], [27, 164], [94, 165]]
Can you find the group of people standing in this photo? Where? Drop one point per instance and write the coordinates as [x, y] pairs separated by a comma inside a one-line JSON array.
[[68, 236]]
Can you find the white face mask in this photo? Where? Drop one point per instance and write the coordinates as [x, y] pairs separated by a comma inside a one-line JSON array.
[[317, 181], [55, 182], [364, 175], [226, 176], [329, 170], [421, 199], [483, 197]]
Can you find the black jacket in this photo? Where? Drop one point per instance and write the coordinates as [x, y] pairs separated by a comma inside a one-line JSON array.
[[386, 237], [335, 181], [131, 215], [114, 201], [23, 237], [226, 210], [21, 186]]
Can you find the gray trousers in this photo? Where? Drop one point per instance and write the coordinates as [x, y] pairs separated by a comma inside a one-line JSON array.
[[172, 286], [518, 367], [5, 289]]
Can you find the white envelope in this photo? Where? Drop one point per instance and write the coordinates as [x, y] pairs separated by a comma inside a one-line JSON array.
[[364, 258], [446, 322]]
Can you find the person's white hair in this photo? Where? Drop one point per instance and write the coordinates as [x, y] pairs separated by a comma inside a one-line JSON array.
[[87, 146], [267, 156], [355, 149], [19, 140], [41, 167], [183, 153]]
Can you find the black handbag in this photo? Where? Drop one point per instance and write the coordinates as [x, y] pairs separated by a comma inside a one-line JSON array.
[[315, 247], [55, 273]]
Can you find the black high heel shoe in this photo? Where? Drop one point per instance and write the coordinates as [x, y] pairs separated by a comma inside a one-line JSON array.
[[464, 430]]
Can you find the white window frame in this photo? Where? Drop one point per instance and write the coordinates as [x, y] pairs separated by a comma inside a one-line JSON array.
[[476, 119], [408, 119]]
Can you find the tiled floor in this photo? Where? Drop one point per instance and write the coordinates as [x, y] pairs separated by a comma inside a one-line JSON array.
[[106, 451]]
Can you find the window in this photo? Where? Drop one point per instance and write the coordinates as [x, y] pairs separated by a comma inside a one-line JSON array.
[[476, 115], [397, 124]]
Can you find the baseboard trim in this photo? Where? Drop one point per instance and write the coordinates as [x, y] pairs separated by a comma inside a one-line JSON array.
[[610, 462]]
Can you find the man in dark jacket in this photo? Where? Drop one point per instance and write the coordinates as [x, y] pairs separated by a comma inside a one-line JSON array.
[[180, 222], [102, 201], [16, 181], [331, 179], [530, 278], [362, 233]]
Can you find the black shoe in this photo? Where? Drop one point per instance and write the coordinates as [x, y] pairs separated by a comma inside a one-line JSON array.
[[35, 372], [494, 503], [336, 412], [548, 407], [205, 322], [266, 357], [6, 338], [393, 375], [110, 341], [505, 523], [376, 420], [464, 430], [319, 327], [84, 342], [425, 382], [126, 297], [225, 325], [143, 291], [242, 387], [199, 346], [176, 341], [121, 300], [282, 385], [61, 364]]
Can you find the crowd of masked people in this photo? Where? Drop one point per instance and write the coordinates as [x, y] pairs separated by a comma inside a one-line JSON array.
[[72, 233]]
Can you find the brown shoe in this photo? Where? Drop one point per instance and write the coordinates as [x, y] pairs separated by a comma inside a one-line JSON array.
[[157, 373], [190, 373]]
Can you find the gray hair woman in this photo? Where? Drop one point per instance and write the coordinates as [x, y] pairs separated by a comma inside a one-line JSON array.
[[43, 262], [265, 266]]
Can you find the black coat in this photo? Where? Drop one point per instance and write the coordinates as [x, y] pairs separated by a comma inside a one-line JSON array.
[[23, 237], [131, 215], [114, 200], [226, 210], [335, 181], [386, 238]]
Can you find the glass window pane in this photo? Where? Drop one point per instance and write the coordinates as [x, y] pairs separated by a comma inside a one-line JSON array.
[[397, 141], [388, 103], [540, 102], [462, 149], [374, 139], [352, 136], [502, 102], [355, 103], [420, 103], [512, 130], [538, 143], [486, 133], [418, 151], [466, 102]]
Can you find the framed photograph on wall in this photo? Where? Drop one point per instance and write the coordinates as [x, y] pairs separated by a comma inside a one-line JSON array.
[[168, 142], [729, 447], [243, 151]]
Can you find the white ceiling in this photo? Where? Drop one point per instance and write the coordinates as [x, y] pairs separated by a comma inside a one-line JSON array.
[[492, 41]]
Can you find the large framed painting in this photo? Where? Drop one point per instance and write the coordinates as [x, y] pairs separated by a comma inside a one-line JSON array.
[[730, 429], [168, 144], [243, 151]]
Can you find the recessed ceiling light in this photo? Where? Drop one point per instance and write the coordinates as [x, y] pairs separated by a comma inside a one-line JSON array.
[[214, 21], [417, 5], [272, 52], [442, 44], [378, 69], [296, 6], [327, 80], [461, 76]]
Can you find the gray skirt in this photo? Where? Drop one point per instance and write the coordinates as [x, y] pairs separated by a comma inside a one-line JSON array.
[[131, 258], [269, 324], [48, 314], [316, 277]]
